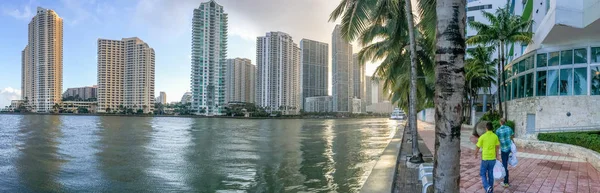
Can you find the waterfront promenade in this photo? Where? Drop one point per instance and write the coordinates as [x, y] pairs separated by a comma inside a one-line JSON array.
[[537, 171]]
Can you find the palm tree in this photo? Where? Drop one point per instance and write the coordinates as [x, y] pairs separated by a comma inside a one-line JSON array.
[[417, 157], [479, 72], [504, 28], [449, 91]]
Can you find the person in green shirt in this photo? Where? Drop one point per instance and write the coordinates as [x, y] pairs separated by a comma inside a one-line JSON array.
[[488, 143]]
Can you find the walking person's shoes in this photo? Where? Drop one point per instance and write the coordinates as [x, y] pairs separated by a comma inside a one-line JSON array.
[[489, 190], [506, 185]]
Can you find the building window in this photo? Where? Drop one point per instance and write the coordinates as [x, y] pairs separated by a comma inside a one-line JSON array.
[[553, 61], [566, 82], [552, 85], [580, 81], [541, 83], [470, 18], [566, 57], [596, 55], [542, 60], [580, 56], [479, 7], [595, 82], [529, 85]]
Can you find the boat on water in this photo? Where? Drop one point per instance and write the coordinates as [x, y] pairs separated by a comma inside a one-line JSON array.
[[397, 114]]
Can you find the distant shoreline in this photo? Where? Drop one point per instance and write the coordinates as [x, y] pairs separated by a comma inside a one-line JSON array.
[[195, 116]]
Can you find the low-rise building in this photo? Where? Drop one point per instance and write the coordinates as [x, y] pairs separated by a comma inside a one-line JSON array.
[[381, 107], [318, 104], [74, 106]]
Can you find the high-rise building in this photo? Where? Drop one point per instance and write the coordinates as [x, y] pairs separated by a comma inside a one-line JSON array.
[[186, 98], [162, 98], [314, 71], [82, 93], [125, 75], [342, 70], [278, 77], [318, 104], [42, 61], [209, 52], [240, 81], [368, 91], [359, 81]]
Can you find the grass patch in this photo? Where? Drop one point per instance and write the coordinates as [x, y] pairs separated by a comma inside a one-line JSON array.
[[589, 140]]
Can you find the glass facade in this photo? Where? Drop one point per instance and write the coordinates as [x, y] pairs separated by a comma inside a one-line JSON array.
[[566, 82], [541, 83], [563, 72], [595, 80]]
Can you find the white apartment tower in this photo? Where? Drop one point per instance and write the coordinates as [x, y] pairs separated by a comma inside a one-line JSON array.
[[240, 81], [42, 62], [342, 70], [314, 72], [278, 73], [125, 75], [209, 52]]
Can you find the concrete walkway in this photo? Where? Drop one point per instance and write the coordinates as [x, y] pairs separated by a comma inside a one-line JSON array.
[[537, 171]]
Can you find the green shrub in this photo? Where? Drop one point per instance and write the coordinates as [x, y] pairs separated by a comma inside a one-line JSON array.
[[491, 116], [589, 140]]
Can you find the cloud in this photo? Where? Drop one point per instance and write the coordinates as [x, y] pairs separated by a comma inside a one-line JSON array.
[[8, 94], [24, 14]]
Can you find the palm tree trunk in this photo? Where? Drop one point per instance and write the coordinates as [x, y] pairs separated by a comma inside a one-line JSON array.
[[500, 69], [417, 157], [449, 91], [503, 46]]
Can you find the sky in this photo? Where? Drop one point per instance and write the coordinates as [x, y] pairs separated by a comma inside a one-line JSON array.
[[164, 24]]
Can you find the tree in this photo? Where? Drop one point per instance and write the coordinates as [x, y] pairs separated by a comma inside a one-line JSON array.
[[385, 19], [56, 108], [449, 91], [479, 72], [82, 110], [417, 157], [140, 111], [504, 28], [108, 109]]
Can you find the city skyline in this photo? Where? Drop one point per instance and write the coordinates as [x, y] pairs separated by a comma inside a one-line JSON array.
[[87, 21]]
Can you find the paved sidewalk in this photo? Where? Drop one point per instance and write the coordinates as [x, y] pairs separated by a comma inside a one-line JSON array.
[[537, 171]]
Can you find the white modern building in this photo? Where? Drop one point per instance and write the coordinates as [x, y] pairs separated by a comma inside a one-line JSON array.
[[186, 98], [125, 75], [314, 70], [42, 62], [475, 10], [209, 53], [278, 73], [240, 81], [342, 70], [318, 104], [555, 84]]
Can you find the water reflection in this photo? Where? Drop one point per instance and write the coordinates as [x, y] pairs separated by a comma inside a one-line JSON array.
[[317, 153], [39, 162], [123, 155], [145, 154]]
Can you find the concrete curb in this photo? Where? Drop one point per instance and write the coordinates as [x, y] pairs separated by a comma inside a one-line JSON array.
[[588, 155], [383, 174]]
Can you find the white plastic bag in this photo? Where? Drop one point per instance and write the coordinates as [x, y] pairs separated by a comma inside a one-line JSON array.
[[512, 160], [513, 148], [499, 172]]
